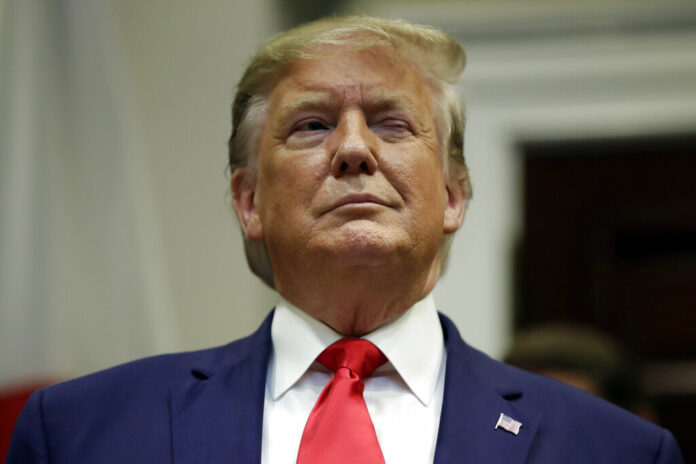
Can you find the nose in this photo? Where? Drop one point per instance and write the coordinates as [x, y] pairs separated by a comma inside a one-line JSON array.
[[356, 147]]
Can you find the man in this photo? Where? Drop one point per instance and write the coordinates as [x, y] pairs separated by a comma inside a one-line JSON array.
[[348, 180]]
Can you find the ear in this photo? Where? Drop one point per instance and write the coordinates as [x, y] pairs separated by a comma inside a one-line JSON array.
[[243, 187], [456, 206]]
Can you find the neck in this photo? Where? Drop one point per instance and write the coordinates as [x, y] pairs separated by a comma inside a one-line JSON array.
[[357, 300]]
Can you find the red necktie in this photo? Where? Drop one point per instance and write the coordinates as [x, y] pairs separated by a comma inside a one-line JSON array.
[[339, 429]]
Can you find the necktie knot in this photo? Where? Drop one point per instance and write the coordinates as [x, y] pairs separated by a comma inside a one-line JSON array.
[[358, 355], [339, 429]]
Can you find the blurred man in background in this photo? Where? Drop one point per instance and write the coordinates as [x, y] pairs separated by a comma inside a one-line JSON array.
[[584, 358]]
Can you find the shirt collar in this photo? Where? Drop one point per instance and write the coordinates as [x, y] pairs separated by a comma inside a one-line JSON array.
[[413, 344]]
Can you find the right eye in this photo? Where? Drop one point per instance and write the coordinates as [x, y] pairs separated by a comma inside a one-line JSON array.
[[312, 125]]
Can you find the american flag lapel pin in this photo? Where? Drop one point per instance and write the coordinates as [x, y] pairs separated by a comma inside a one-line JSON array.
[[508, 423]]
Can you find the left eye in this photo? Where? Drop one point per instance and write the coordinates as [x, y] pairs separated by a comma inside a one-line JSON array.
[[395, 125]]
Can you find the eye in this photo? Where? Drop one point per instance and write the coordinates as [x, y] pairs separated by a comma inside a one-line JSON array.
[[393, 128], [395, 124], [312, 125]]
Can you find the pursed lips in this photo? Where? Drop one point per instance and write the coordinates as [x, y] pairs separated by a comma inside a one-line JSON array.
[[357, 198]]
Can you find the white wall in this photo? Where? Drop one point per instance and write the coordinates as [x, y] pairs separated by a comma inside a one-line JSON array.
[[187, 57], [117, 240]]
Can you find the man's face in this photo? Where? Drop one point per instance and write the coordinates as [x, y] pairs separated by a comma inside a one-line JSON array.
[[348, 166]]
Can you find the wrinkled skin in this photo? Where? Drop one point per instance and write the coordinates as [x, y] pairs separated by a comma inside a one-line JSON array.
[[349, 193]]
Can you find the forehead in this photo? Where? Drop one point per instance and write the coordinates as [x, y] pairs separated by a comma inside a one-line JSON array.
[[367, 77]]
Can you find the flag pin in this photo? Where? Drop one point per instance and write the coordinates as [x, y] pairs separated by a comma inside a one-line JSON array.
[[508, 423]]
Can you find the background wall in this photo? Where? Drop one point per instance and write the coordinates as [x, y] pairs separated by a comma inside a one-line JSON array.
[[186, 58], [118, 240]]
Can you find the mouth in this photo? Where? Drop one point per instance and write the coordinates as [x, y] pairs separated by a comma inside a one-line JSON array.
[[357, 199]]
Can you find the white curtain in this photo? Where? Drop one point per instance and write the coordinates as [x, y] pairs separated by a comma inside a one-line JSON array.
[[82, 282]]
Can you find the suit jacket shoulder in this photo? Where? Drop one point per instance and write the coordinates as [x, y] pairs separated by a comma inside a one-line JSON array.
[[207, 406], [145, 410], [559, 423]]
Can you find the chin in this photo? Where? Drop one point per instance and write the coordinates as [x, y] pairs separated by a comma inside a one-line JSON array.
[[367, 245]]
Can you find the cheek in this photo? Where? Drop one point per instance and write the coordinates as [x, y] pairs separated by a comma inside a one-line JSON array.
[[418, 174], [289, 184], [429, 197]]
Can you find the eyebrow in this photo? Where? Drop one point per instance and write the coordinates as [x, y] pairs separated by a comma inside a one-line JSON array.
[[323, 99], [384, 99]]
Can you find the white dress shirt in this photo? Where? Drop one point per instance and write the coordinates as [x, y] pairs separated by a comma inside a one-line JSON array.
[[404, 396]]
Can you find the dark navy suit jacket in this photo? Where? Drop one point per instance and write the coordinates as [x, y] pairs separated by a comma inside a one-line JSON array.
[[206, 407]]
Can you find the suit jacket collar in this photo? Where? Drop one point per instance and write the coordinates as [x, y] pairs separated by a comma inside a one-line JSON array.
[[477, 391], [217, 415]]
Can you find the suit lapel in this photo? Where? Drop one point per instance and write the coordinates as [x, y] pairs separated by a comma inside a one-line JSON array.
[[471, 408], [217, 416]]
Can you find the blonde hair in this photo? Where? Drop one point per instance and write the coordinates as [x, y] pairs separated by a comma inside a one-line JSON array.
[[436, 55]]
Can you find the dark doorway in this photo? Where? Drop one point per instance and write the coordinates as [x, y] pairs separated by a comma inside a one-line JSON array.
[[610, 242]]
